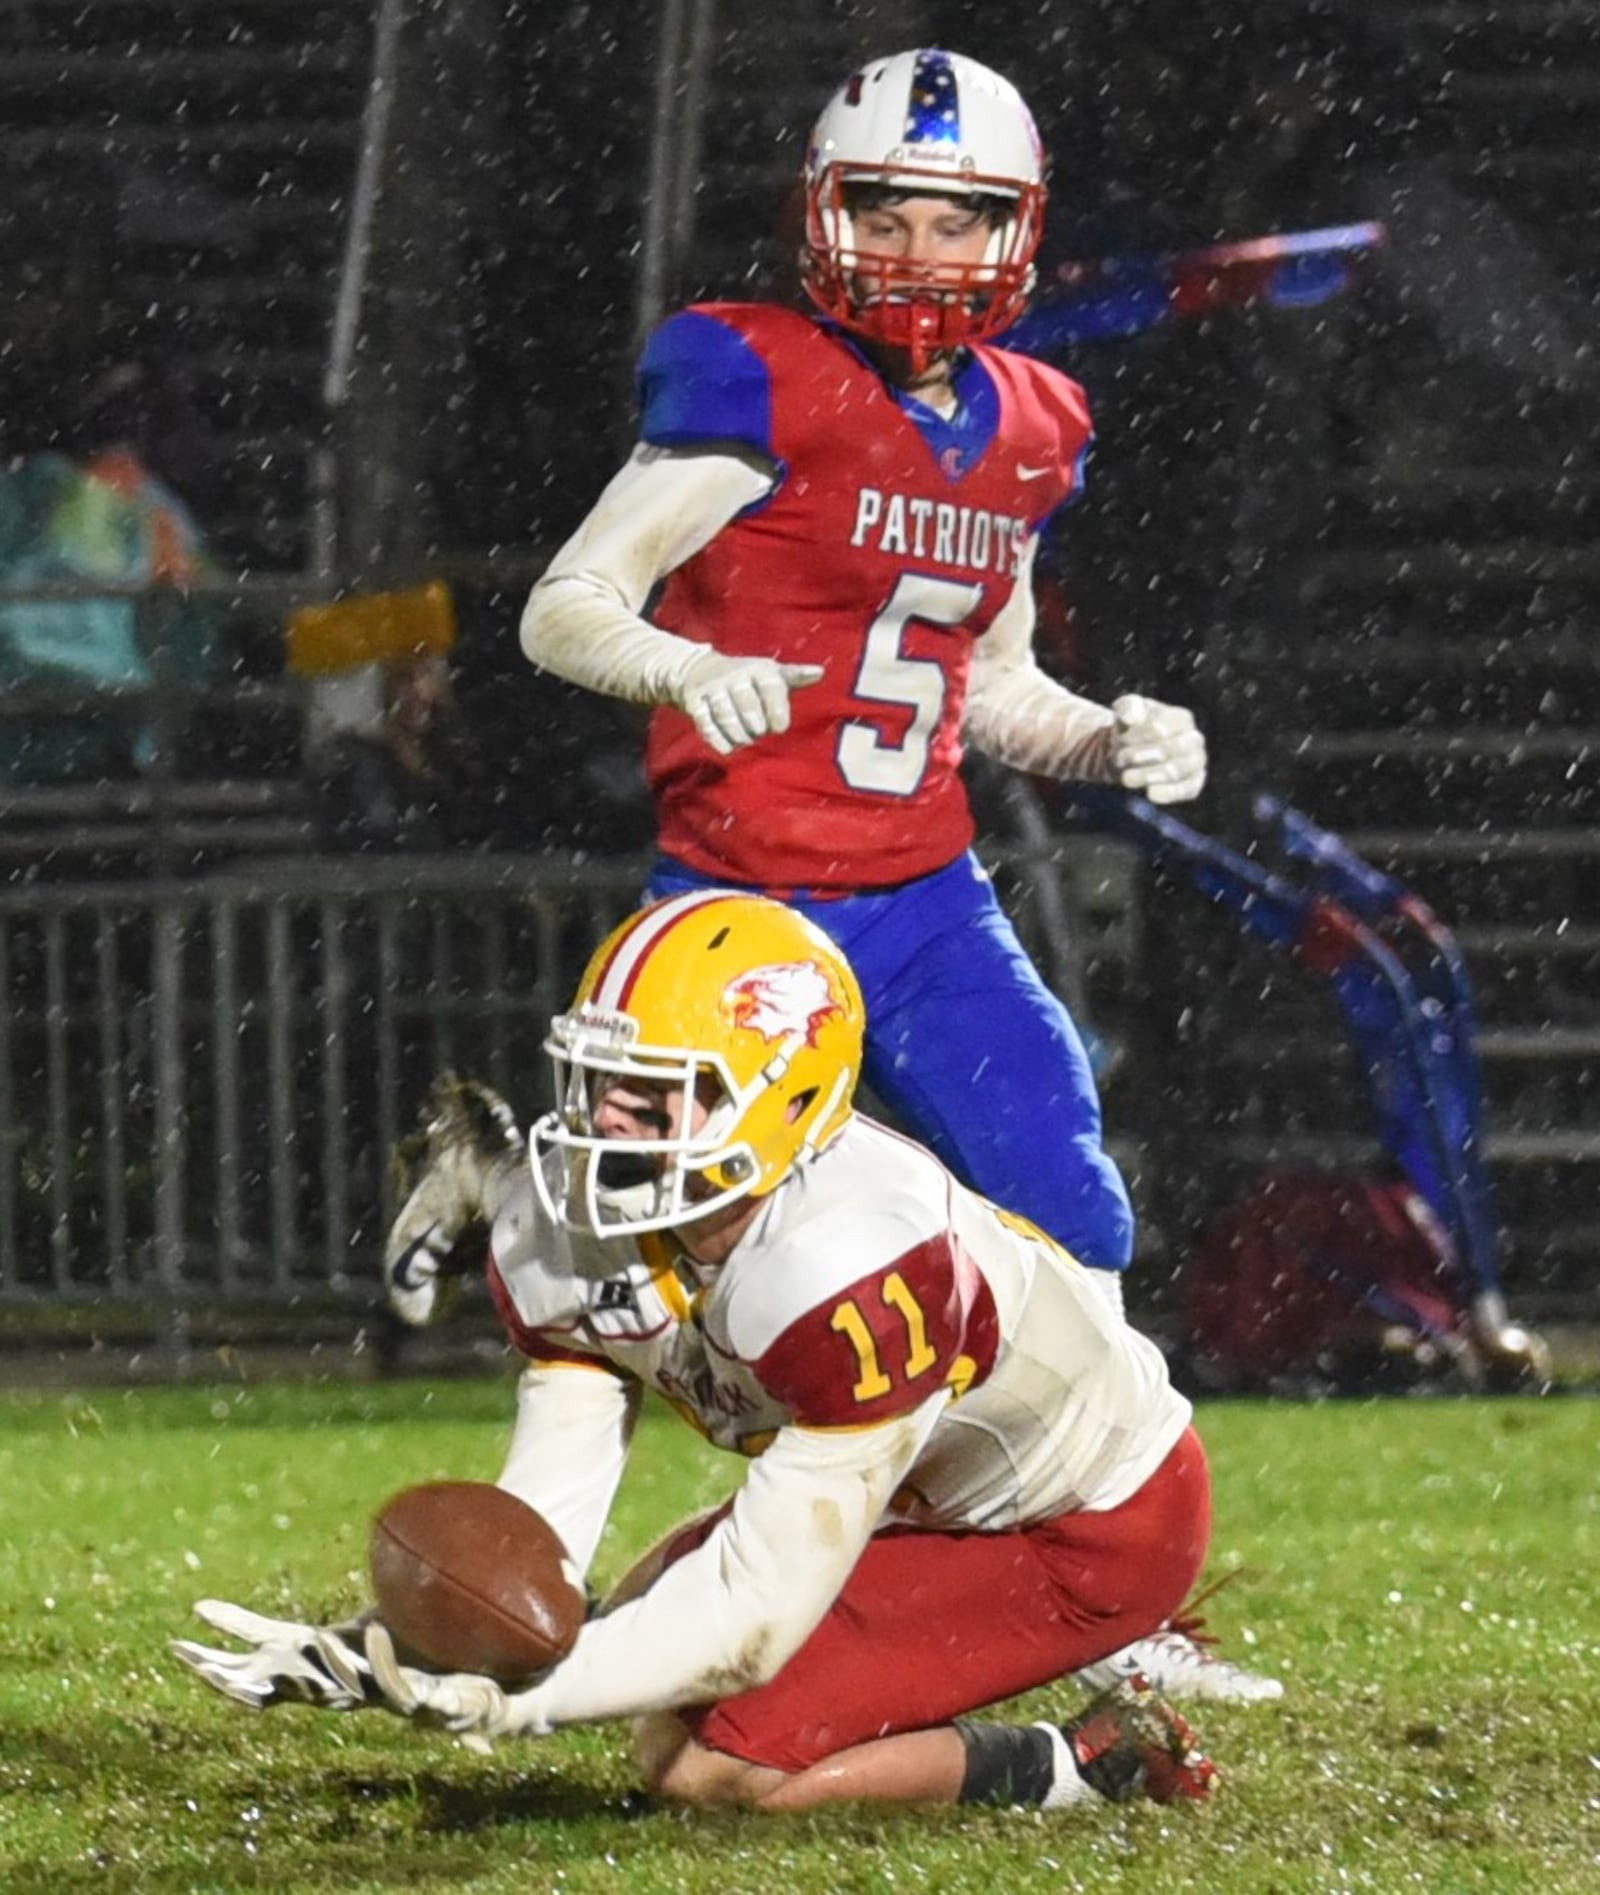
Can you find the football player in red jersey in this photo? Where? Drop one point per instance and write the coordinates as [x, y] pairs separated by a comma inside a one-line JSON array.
[[832, 519], [967, 1474]]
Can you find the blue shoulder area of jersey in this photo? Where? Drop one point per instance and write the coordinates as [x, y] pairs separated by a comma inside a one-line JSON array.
[[959, 440], [700, 381]]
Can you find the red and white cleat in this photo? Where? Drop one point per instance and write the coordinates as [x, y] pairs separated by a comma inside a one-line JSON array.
[[1130, 1742]]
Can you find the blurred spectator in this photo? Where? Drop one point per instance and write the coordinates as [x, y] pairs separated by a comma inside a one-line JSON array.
[[96, 445], [107, 521], [403, 781]]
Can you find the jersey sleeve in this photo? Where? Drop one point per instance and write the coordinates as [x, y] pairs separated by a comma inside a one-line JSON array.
[[538, 1344], [882, 1345], [569, 1446], [701, 383], [1017, 713], [728, 1616]]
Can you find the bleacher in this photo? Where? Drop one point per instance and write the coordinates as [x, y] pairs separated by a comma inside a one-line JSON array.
[[1434, 693], [225, 135], [214, 145]]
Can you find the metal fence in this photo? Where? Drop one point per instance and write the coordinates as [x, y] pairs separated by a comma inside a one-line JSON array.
[[202, 1082]]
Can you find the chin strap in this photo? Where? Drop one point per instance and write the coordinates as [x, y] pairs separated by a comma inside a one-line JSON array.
[[809, 1146]]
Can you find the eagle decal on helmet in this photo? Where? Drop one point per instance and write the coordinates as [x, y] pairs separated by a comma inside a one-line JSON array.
[[783, 999]]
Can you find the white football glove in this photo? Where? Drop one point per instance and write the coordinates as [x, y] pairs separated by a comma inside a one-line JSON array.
[[474, 1709], [284, 1664], [735, 701], [1157, 749], [471, 1146], [411, 1272]]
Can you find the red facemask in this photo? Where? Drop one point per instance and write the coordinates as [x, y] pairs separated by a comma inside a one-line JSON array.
[[925, 309]]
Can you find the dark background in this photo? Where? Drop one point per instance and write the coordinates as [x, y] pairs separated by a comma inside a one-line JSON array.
[[1358, 538]]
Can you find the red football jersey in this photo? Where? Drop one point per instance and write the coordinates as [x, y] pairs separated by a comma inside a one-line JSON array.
[[890, 543]]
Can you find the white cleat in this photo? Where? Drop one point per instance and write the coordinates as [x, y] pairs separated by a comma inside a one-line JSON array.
[[471, 1149], [1179, 1666]]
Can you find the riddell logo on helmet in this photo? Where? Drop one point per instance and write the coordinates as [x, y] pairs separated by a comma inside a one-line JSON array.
[[777, 1001]]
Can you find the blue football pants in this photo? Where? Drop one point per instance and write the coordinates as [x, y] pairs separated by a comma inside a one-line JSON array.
[[970, 1052]]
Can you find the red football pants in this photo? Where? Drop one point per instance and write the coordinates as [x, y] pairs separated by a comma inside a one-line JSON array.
[[930, 1626]]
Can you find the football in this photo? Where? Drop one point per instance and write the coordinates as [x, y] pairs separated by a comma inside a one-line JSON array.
[[466, 1577]]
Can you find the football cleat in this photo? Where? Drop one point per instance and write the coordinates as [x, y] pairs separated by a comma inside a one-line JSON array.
[[1130, 1742], [1508, 1357], [1181, 1666], [452, 1179]]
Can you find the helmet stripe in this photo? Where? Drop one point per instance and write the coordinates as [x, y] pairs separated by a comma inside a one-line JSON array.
[[614, 982], [933, 112]]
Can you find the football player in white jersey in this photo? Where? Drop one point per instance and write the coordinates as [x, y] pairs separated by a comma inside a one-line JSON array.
[[968, 1476]]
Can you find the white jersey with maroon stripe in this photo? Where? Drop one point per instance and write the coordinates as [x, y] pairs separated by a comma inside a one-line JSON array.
[[890, 1345]]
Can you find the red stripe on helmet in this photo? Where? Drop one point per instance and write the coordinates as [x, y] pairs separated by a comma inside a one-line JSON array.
[[616, 979]]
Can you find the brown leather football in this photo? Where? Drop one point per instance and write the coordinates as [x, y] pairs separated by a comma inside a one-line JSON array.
[[468, 1578]]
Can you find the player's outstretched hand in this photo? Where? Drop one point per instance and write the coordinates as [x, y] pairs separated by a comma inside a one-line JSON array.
[[472, 1708], [452, 1180], [1157, 749], [412, 1267], [735, 701], [283, 1664]]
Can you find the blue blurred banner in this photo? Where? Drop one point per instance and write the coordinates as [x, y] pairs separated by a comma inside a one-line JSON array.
[[1124, 296]]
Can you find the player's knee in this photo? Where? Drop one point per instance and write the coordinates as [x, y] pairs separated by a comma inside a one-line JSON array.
[[1112, 1244], [659, 1739], [1084, 1207], [1101, 1212], [675, 1766]]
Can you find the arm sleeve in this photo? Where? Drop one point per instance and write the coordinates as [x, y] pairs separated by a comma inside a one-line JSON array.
[[1021, 716], [568, 1447], [730, 1614], [583, 619]]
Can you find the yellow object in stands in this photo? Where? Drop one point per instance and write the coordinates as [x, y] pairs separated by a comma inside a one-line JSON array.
[[372, 628]]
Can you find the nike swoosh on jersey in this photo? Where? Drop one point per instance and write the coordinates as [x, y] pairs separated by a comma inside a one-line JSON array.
[[1032, 473]]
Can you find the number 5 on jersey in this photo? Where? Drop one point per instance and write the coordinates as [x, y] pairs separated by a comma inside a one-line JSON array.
[[867, 759]]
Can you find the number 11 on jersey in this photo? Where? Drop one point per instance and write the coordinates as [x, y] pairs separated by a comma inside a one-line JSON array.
[[872, 1379]]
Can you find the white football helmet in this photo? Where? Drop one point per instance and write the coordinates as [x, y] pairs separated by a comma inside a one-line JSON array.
[[738, 1000], [936, 123]]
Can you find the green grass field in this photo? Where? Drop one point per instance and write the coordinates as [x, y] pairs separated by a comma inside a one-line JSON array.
[[1422, 1573]]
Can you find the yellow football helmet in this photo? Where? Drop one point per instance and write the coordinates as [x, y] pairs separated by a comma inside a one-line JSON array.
[[739, 1000]]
